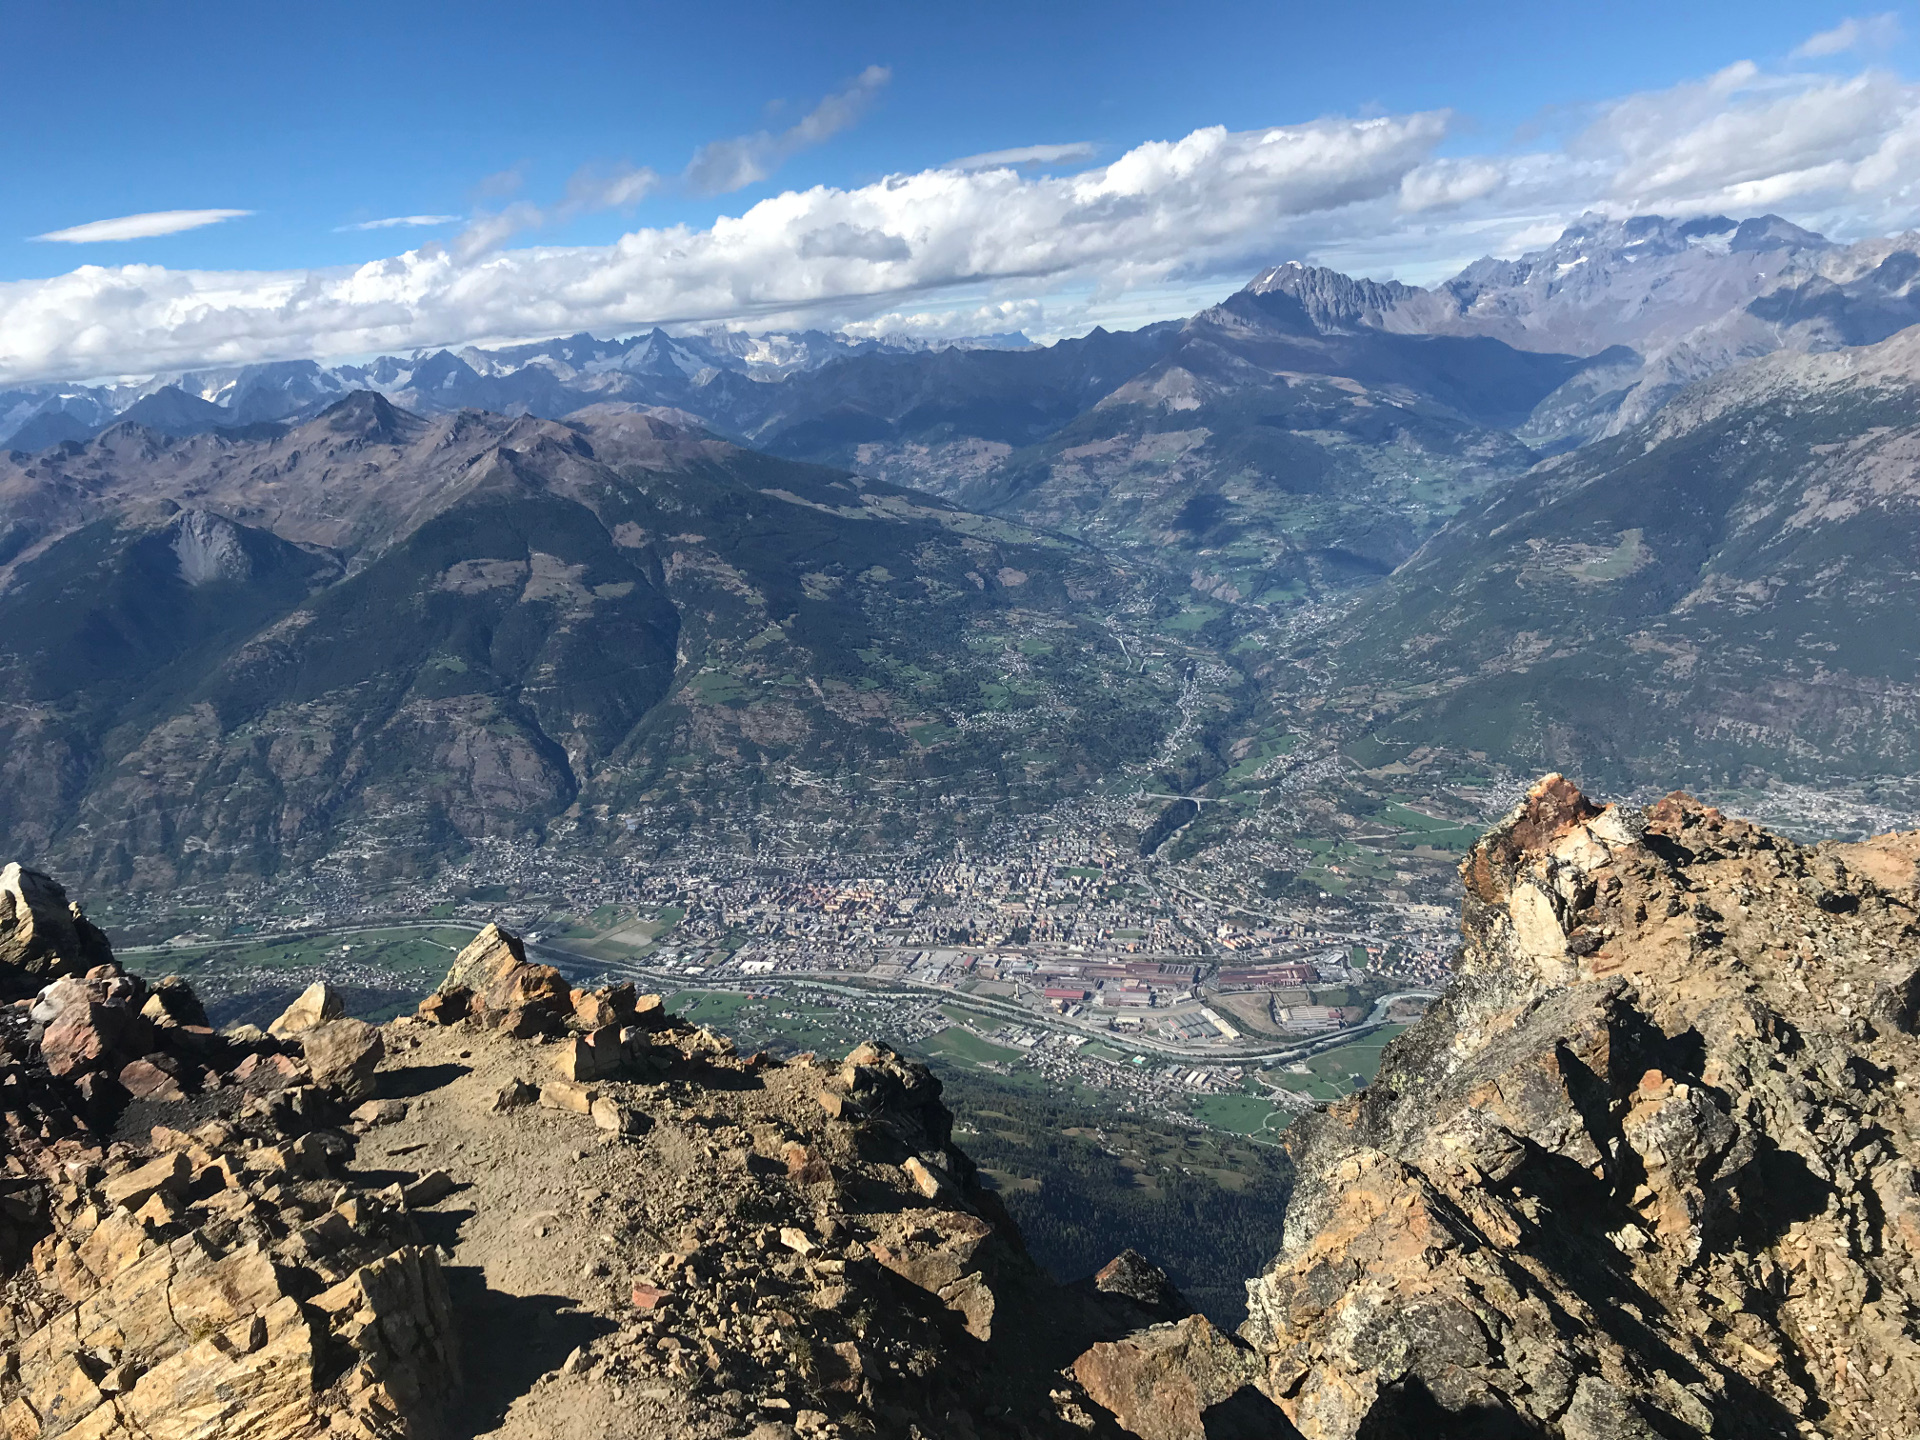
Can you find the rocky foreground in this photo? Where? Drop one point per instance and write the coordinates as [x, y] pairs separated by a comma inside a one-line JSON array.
[[1647, 1171]]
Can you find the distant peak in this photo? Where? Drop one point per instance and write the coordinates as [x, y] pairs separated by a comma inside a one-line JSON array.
[[1332, 300], [369, 415]]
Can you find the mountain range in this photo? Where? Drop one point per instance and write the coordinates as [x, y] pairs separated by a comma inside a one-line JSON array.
[[376, 633], [1641, 504]]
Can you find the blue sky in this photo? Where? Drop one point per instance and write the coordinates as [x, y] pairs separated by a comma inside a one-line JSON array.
[[317, 118]]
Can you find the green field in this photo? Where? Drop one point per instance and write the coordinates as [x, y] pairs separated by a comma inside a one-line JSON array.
[[1329, 1072], [967, 1048], [1240, 1114]]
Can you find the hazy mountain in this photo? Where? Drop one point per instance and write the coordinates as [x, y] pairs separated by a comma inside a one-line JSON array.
[[1729, 590], [1662, 303], [377, 635], [1275, 455], [547, 377], [171, 411], [1652, 304]]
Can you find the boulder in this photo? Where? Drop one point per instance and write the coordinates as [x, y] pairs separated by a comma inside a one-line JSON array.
[[446, 1007], [507, 993], [433, 1186], [343, 1054], [487, 955], [1160, 1383], [563, 1095], [88, 1035], [154, 1077], [171, 1002], [527, 987], [1132, 1275], [381, 1112], [42, 933], [617, 1119], [132, 1188], [514, 1094], [318, 1004]]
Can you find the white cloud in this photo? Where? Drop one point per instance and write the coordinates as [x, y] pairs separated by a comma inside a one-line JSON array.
[[1072, 154], [1165, 225], [722, 166], [394, 222], [140, 227], [1211, 200], [1001, 318], [1873, 32]]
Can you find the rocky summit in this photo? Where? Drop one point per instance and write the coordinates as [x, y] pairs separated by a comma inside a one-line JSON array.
[[1647, 1171]]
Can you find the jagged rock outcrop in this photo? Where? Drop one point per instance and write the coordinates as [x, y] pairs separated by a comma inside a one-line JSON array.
[[43, 935], [185, 1254], [1647, 1170]]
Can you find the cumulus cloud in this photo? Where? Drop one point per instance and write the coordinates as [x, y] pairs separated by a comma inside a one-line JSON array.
[[1212, 198], [723, 166], [1744, 140], [964, 322], [1075, 153], [394, 222], [140, 227], [1161, 229], [1873, 32]]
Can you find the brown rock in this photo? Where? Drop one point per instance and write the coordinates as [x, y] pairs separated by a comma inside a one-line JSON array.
[[381, 1112], [528, 987], [430, 1187], [173, 1003], [446, 1007], [598, 1056], [649, 1297], [804, 1166], [131, 1188], [342, 1054], [615, 1118], [514, 1094], [924, 1178], [318, 1004], [278, 1068], [487, 956], [43, 934], [1160, 1383], [1132, 1275], [598, 1009], [564, 1095], [86, 1035], [154, 1078]]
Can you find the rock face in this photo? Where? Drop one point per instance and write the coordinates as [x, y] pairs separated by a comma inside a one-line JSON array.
[[185, 1253], [317, 1004], [1647, 1170], [42, 934]]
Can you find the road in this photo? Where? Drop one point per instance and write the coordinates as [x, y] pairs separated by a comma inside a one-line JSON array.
[[580, 966]]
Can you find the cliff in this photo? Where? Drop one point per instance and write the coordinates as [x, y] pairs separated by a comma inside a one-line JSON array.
[[1646, 1171]]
